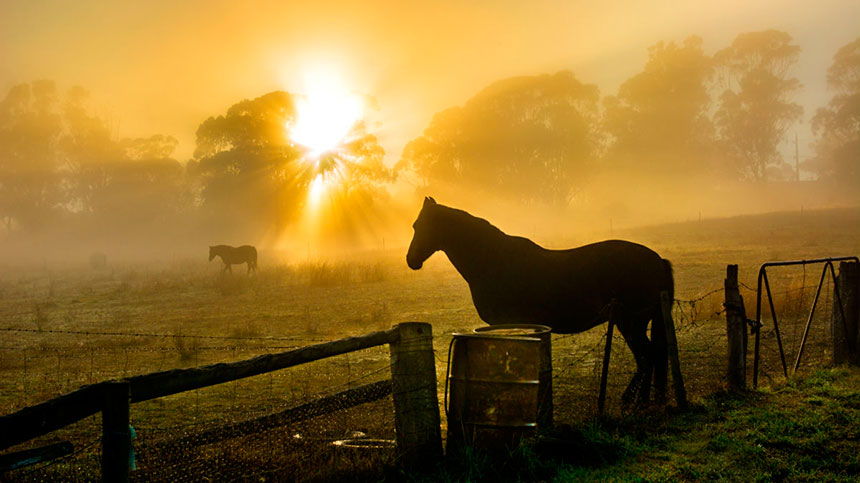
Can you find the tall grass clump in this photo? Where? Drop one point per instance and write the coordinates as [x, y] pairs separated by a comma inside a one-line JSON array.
[[327, 274], [186, 347]]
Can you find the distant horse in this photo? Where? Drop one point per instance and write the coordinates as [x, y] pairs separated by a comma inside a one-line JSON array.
[[235, 255], [513, 280]]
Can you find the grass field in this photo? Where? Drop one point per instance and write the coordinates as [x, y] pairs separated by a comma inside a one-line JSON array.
[[65, 325], [804, 429]]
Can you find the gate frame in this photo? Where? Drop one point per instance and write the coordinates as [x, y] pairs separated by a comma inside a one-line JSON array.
[[756, 329]]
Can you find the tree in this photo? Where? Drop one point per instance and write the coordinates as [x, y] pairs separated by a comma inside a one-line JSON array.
[[30, 129], [87, 149], [251, 173], [755, 108], [660, 118], [837, 127], [121, 184], [529, 138], [57, 158], [144, 185]]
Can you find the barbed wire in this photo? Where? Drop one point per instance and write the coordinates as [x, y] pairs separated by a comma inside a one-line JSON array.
[[699, 298], [86, 351], [152, 334]]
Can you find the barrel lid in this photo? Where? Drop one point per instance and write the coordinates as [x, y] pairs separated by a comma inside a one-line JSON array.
[[482, 335], [516, 330]]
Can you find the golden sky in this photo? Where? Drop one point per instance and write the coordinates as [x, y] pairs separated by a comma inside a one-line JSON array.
[[164, 66]]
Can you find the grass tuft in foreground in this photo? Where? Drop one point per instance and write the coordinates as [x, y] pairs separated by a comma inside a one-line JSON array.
[[800, 430]]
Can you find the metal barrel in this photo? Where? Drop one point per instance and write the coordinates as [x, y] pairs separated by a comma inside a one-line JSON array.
[[492, 394], [544, 333]]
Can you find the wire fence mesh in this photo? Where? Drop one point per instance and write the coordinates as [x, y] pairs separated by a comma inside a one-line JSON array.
[[273, 424], [44, 354]]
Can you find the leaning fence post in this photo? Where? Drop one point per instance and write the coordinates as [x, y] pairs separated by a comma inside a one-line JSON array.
[[846, 346], [672, 348], [116, 437], [736, 331], [416, 401]]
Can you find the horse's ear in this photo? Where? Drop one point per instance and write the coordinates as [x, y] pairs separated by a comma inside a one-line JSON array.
[[429, 201]]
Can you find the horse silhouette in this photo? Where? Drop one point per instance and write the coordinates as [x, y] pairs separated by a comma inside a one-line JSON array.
[[235, 255], [515, 281]]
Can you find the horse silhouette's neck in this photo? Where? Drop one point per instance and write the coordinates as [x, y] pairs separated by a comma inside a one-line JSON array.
[[468, 242]]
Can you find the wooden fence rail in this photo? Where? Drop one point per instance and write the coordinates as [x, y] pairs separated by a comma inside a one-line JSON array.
[[34, 421], [166, 383], [413, 383]]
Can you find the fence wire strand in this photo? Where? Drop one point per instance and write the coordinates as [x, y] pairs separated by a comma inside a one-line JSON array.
[[54, 363]]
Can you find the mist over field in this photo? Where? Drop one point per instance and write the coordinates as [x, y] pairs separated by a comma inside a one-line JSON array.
[[309, 145], [140, 142]]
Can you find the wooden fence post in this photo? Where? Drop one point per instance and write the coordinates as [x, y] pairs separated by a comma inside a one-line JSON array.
[[416, 400], [672, 348], [736, 330], [846, 344], [116, 437]]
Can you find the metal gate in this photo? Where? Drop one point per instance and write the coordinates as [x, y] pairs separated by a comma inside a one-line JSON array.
[[762, 276]]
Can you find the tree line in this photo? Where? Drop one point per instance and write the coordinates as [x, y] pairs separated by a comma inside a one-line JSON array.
[[528, 139], [541, 138]]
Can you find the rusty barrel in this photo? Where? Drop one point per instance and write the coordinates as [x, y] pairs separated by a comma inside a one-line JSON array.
[[544, 333], [492, 393]]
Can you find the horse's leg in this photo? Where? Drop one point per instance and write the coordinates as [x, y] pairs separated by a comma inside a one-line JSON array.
[[659, 356], [635, 334]]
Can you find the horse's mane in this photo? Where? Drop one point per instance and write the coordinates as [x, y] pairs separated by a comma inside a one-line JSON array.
[[466, 221]]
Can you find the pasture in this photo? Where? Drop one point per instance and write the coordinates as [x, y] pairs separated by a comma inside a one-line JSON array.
[[66, 325]]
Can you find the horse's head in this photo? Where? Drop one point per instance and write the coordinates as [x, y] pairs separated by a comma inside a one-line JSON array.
[[425, 241], [211, 253]]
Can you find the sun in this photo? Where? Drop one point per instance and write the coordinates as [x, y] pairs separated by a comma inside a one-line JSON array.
[[325, 114]]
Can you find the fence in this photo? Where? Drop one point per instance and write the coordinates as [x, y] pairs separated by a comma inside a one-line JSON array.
[[413, 387], [577, 360], [843, 319], [710, 360]]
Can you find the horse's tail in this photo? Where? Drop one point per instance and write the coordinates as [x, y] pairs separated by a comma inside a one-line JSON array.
[[659, 345], [668, 279]]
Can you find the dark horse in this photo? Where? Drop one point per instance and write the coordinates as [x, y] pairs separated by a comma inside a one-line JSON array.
[[513, 280], [235, 255]]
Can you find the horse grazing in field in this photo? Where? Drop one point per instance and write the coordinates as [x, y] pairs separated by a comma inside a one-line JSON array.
[[235, 255], [515, 281]]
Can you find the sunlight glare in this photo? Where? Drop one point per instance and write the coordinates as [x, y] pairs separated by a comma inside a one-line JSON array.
[[316, 190], [326, 113]]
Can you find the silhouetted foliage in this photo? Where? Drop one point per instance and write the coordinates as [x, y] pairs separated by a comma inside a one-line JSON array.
[[57, 158], [527, 138], [121, 184], [250, 173], [30, 130], [244, 161], [755, 109], [660, 118], [837, 126]]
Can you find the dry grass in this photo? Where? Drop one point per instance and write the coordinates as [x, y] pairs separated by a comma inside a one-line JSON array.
[[187, 313]]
